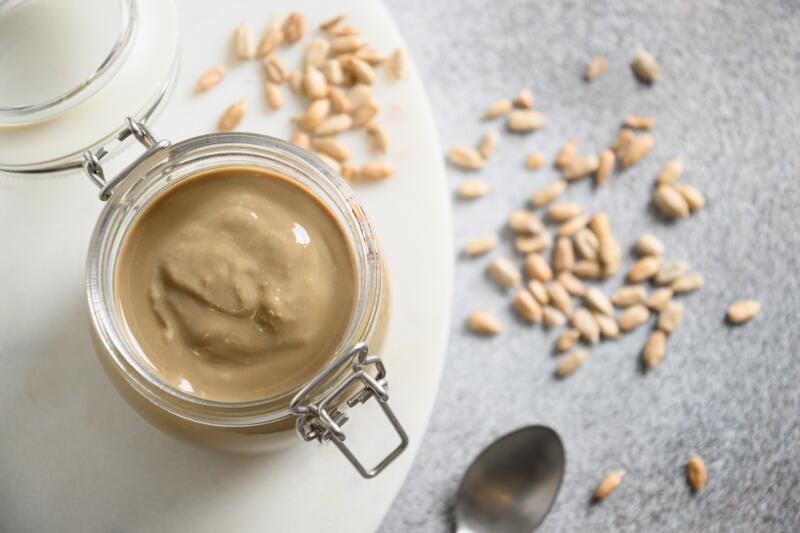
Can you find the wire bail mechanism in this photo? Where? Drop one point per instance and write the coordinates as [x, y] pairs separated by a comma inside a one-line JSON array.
[[91, 160], [322, 421]]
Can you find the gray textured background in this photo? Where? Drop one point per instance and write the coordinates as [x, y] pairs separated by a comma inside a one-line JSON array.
[[729, 102]]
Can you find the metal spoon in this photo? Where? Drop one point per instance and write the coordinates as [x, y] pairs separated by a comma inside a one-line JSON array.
[[511, 485]]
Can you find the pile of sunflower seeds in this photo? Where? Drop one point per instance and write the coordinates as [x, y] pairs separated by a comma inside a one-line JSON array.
[[336, 79]]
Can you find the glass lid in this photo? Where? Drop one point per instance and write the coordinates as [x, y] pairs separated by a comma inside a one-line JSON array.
[[59, 52], [72, 70]]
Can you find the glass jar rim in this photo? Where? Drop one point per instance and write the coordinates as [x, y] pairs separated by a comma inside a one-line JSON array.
[[156, 174]]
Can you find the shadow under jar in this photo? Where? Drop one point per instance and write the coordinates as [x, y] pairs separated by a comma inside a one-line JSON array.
[[313, 397]]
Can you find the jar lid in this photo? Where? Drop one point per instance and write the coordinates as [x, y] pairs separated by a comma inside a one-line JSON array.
[[77, 68]]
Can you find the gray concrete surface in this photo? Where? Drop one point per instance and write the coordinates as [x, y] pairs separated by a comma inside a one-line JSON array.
[[729, 102]]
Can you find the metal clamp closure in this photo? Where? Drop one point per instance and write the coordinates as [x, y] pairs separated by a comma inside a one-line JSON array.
[[91, 160], [323, 421]]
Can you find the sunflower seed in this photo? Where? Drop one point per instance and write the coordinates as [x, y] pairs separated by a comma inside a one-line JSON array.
[[397, 65], [498, 108], [608, 326], [332, 147], [364, 113], [605, 164], [743, 311], [467, 158], [563, 255], [596, 67], [471, 188], [360, 69], [274, 69], [633, 317], [600, 226], [553, 318], [670, 202], [659, 298], [539, 291], [583, 320], [637, 122], [670, 172], [301, 139], [527, 306], [536, 267], [534, 160], [598, 301], [563, 211], [522, 221], [696, 473], [638, 149], [272, 93], [648, 245], [334, 124], [567, 340], [533, 244], [688, 283], [644, 268], [210, 78], [653, 351], [489, 143], [566, 155], [339, 101], [377, 138], [622, 142], [559, 298], [524, 99], [315, 113], [670, 271], [582, 166], [272, 39], [484, 323], [314, 83], [346, 44], [295, 81], [628, 295], [480, 245], [332, 70], [525, 120], [548, 193], [586, 269], [573, 225], [294, 28], [232, 116], [570, 363], [610, 256], [646, 68], [504, 273], [670, 317], [586, 244], [375, 170], [243, 42], [608, 484], [316, 52], [571, 283], [331, 23], [694, 198], [375, 58]]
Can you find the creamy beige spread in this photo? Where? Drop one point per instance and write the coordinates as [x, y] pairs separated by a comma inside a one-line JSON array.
[[238, 284]]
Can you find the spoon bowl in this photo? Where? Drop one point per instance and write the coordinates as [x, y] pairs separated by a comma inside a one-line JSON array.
[[512, 484]]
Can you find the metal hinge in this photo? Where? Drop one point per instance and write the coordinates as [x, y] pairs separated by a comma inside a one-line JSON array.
[[91, 160], [322, 421]]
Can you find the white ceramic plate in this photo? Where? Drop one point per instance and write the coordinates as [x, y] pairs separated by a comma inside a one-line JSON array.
[[75, 458]]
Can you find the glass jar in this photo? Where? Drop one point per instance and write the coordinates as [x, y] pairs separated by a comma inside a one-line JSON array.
[[315, 410]]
